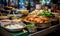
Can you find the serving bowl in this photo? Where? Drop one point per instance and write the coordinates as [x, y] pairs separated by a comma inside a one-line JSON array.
[[14, 27]]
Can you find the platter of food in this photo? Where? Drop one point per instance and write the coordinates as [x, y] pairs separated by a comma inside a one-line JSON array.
[[16, 20], [14, 27], [25, 12], [5, 21], [4, 17], [37, 19], [36, 12]]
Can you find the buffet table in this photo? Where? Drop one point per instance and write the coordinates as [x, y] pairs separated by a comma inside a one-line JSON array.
[[39, 33], [37, 23]]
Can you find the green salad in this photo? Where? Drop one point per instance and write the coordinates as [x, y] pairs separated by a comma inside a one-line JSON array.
[[31, 26], [47, 14]]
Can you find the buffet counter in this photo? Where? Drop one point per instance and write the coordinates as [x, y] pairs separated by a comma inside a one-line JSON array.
[[39, 33], [23, 23]]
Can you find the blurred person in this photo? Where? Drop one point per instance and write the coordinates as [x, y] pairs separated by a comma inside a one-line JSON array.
[[26, 4], [37, 7], [54, 8], [47, 7], [37, 10], [36, 2], [32, 8]]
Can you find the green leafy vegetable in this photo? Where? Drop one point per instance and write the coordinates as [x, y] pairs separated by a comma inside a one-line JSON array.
[[31, 26], [47, 14]]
